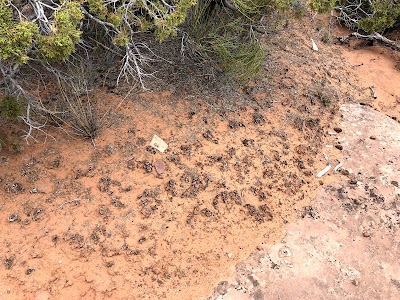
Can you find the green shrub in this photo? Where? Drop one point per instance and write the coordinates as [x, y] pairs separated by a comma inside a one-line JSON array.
[[369, 15], [242, 60], [61, 42], [15, 147], [218, 34], [10, 107], [16, 38], [322, 6], [384, 14]]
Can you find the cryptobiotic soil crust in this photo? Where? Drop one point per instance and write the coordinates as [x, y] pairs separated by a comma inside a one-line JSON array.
[[347, 243], [346, 246], [232, 208]]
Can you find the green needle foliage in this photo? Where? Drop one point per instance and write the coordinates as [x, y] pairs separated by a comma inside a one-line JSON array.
[[228, 36], [10, 107], [16, 38], [382, 15], [61, 42], [366, 15], [55, 34], [222, 27]]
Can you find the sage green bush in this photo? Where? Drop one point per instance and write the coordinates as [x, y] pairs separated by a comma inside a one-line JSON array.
[[369, 15], [227, 31], [10, 107]]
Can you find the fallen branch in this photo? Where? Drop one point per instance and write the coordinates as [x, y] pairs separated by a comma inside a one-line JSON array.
[[32, 102], [374, 37], [326, 169]]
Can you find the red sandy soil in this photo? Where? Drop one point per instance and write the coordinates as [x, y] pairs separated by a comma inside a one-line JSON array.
[[347, 244], [123, 221]]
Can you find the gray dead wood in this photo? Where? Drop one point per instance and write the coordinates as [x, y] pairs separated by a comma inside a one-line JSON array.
[[374, 37]]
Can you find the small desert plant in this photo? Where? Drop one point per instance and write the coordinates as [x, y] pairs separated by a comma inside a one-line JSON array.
[[219, 33], [15, 147], [79, 113], [323, 93], [10, 107], [243, 61], [325, 38]]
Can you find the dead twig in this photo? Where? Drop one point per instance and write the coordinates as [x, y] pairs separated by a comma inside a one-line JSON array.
[[76, 201], [374, 37], [338, 166], [130, 213], [326, 169], [373, 93]]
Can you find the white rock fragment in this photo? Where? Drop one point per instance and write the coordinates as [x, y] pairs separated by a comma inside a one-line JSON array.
[[314, 45], [286, 263], [324, 171], [158, 143], [338, 166]]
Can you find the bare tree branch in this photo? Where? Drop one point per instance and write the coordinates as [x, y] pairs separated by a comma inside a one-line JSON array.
[[33, 103], [375, 37]]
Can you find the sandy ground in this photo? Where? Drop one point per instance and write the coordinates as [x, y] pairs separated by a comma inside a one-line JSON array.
[[124, 221], [378, 73], [347, 245]]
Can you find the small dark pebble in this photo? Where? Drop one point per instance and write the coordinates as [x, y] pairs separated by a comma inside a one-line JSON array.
[[345, 172], [366, 234], [310, 211], [340, 147], [8, 263], [352, 181], [248, 142], [151, 149], [357, 201], [395, 183], [148, 166], [13, 218], [355, 282], [55, 239], [29, 271], [372, 137], [337, 129], [206, 212]]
